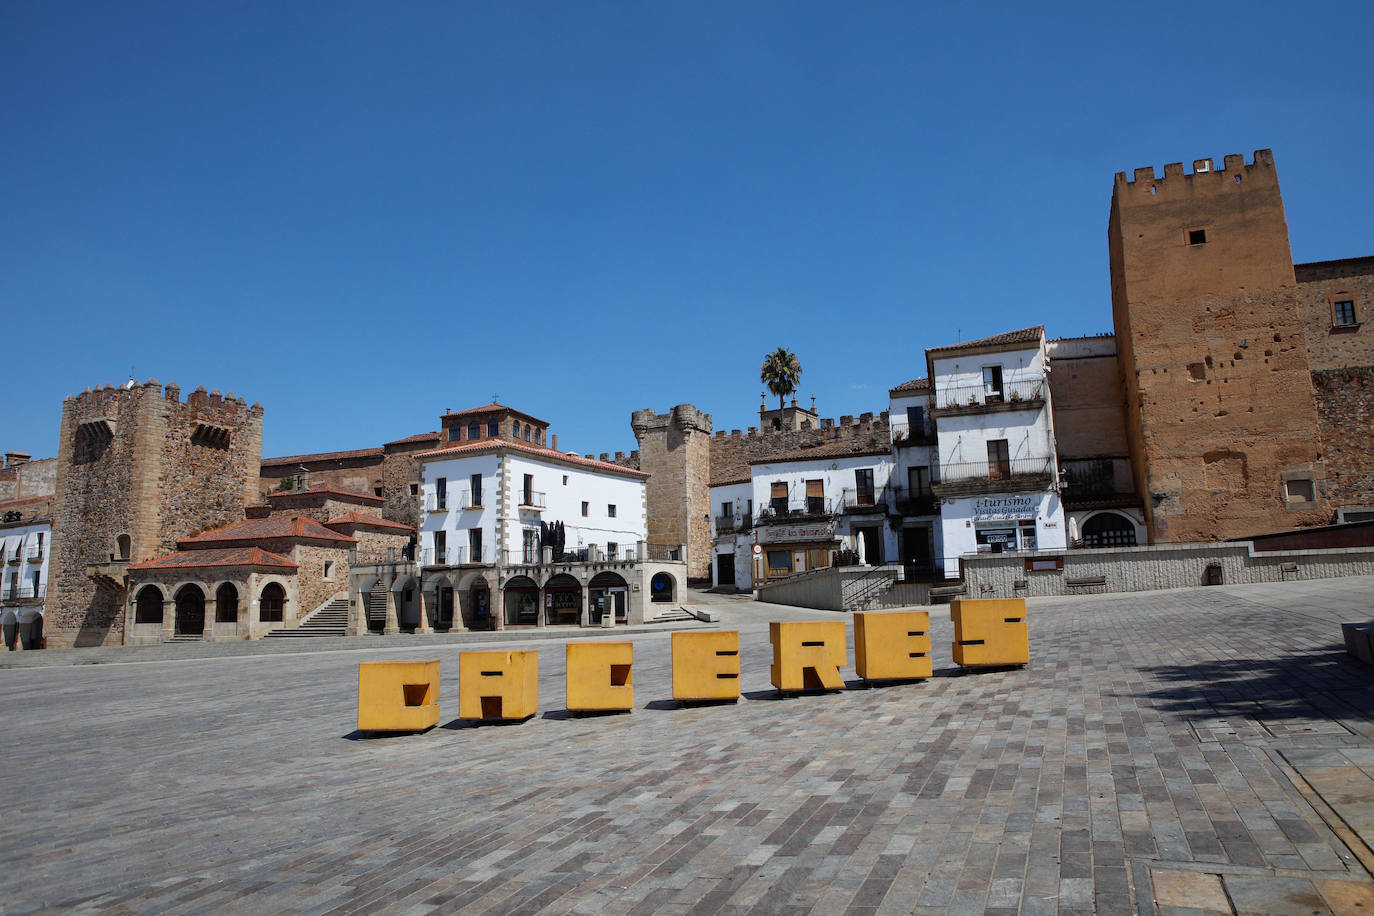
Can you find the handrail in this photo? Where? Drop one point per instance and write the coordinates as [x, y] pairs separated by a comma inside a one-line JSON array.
[[1028, 391]]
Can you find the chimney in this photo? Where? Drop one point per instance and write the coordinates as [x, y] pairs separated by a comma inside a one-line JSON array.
[[15, 459], [555, 442]]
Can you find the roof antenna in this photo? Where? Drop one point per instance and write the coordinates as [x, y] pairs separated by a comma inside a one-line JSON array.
[[958, 335]]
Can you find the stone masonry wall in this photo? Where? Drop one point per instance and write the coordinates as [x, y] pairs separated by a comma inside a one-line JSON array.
[[400, 469], [1345, 407], [314, 589], [675, 448], [373, 545], [361, 473], [1130, 569], [1330, 346]]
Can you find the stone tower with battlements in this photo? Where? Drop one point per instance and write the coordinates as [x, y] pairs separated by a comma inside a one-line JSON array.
[[1221, 417], [675, 447], [137, 470]]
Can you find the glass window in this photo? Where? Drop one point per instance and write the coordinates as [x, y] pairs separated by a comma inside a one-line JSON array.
[[779, 559], [515, 429], [610, 510], [493, 428], [1344, 311], [474, 430]]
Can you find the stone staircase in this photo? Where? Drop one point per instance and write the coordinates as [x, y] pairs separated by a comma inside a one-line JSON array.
[[329, 620], [680, 614]]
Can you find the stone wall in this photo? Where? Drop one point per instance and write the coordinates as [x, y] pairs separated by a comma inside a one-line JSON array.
[[1089, 406], [1130, 569], [1345, 406], [20, 480], [731, 452], [401, 469], [359, 470], [137, 461], [1330, 346], [313, 588], [373, 545]]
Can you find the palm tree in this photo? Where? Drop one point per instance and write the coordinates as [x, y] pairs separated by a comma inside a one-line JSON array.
[[781, 370]]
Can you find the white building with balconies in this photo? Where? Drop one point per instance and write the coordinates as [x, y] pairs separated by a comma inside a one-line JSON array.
[[998, 475], [25, 542]]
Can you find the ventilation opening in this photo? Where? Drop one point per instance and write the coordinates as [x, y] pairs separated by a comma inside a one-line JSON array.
[[1197, 236]]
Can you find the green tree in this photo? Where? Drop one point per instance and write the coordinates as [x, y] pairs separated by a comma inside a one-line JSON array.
[[781, 371]]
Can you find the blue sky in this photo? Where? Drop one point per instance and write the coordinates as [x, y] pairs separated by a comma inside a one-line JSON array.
[[361, 214]]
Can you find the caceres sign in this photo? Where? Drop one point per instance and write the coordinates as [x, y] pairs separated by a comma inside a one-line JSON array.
[[777, 534], [1003, 507]]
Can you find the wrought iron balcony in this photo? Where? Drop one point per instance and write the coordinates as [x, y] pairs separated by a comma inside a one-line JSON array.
[[781, 511], [974, 477], [34, 554], [1018, 395], [730, 524], [448, 556], [903, 436], [532, 499], [860, 501], [1098, 483], [916, 502]]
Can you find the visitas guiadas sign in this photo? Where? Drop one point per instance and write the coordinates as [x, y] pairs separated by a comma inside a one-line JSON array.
[[995, 507]]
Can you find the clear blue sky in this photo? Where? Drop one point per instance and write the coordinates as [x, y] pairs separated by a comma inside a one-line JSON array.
[[361, 214]]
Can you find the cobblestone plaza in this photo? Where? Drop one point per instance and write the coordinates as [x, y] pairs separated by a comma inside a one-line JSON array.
[[1206, 748]]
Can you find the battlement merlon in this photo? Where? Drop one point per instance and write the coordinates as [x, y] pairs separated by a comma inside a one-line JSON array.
[[683, 416], [103, 396], [1143, 185]]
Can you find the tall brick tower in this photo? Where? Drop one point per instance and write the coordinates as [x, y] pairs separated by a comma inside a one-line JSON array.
[[1222, 422], [675, 447], [137, 470]]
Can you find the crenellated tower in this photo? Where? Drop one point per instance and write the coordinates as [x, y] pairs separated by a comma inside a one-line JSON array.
[[137, 470]]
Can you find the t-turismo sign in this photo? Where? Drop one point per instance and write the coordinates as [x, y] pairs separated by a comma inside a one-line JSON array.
[[990, 507]]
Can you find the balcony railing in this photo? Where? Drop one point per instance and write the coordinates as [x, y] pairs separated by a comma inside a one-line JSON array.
[[727, 524], [521, 556], [453, 499], [1097, 481], [780, 510], [667, 552], [452, 556], [916, 502], [855, 500], [34, 554], [971, 477], [531, 499], [20, 591], [1010, 396], [903, 436]]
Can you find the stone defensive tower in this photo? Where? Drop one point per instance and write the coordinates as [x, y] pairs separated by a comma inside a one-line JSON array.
[[137, 470], [675, 447], [1222, 421]]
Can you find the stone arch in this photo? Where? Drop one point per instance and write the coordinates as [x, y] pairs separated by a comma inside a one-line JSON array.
[[562, 599], [227, 603], [189, 619], [475, 601], [1108, 529], [148, 604], [272, 603], [607, 590], [520, 598], [662, 588], [406, 593]]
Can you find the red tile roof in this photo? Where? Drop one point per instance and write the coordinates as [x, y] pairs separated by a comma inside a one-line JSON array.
[[1025, 335], [358, 520], [418, 437], [459, 449], [330, 490], [228, 556], [274, 527], [321, 456], [494, 408], [916, 384]]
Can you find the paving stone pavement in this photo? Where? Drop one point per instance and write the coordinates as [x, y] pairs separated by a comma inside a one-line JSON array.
[[1149, 759]]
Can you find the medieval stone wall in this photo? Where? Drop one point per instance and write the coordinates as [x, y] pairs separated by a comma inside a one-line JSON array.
[[359, 472], [401, 469], [1329, 345], [311, 585], [675, 448], [1089, 409], [1345, 404], [373, 545]]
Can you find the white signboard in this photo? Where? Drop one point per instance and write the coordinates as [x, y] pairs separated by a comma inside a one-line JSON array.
[[1003, 507]]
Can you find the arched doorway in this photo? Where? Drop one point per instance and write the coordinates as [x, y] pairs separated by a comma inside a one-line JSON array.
[[521, 599], [1108, 529], [563, 600], [443, 605], [272, 604], [662, 588], [190, 611], [148, 605], [607, 590], [476, 610], [407, 597], [227, 604]]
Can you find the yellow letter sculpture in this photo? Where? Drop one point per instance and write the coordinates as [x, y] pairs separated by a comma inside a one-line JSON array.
[[706, 666], [990, 631], [398, 696], [600, 676], [807, 655], [892, 645], [498, 685]]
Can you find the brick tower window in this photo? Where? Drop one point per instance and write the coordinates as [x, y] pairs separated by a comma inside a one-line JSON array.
[[1197, 236], [1343, 312]]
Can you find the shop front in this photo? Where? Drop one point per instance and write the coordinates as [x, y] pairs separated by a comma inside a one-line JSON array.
[[785, 550], [1011, 523]]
